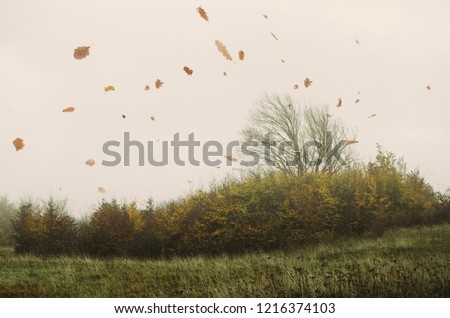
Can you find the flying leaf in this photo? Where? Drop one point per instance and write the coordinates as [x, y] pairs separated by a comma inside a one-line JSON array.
[[230, 158], [308, 82], [373, 115], [188, 70], [329, 115], [274, 36], [158, 83], [152, 118], [109, 88], [81, 52], [202, 13], [351, 142], [222, 49], [123, 116], [283, 61], [146, 88], [68, 110], [357, 42], [295, 86], [429, 87], [90, 162], [101, 190], [357, 101], [241, 55], [339, 104], [224, 73], [18, 143], [265, 16]]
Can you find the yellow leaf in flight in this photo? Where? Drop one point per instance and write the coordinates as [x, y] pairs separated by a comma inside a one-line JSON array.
[[188, 70], [158, 83], [202, 13], [81, 52], [18, 143], [90, 162], [241, 55], [68, 110], [109, 88], [308, 82], [222, 49]]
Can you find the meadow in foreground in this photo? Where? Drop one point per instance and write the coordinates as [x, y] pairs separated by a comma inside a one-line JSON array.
[[411, 262]]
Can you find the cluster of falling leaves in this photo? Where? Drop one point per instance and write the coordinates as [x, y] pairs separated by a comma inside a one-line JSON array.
[[83, 51]]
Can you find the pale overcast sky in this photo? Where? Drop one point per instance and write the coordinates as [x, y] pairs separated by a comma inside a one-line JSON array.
[[404, 46]]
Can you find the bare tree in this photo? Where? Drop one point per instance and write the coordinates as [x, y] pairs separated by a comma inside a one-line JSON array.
[[297, 140]]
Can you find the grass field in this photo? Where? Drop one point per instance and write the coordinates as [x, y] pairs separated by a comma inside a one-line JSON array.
[[402, 263]]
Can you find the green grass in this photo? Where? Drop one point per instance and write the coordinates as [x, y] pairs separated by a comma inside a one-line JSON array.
[[402, 263]]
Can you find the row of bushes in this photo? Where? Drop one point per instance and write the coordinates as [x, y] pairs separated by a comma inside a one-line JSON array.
[[258, 212]]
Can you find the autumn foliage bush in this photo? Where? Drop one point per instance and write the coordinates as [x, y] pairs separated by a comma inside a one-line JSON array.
[[259, 212]]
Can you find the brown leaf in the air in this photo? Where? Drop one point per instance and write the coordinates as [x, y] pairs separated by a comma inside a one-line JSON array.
[[18, 143], [68, 110], [295, 86], [274, 36], [357, 101], [429, 87], [230, 158], [81, 52], [308, 82], [265, 16], [350, 142], [241, 55], [146, 88], [101, 190], [90, 162], [339, 104], [373, 115], [283, 61], [224, 73], [123, 116], [158, 83], [152, 118], [202, 13], [357, 42], [222, 49], [188, 70]]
